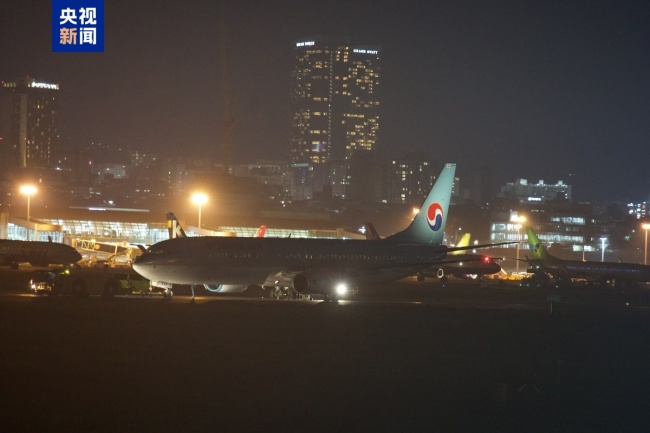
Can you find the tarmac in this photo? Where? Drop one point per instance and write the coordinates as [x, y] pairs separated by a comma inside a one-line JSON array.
[[408, 357]]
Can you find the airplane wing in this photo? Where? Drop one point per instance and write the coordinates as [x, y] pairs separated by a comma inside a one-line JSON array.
[[471, 247]]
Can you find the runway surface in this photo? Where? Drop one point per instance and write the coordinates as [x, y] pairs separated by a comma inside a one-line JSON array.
[[403, 357]]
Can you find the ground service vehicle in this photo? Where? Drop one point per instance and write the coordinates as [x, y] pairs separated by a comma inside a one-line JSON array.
[[131, 282], [105, 282], [42, 281]]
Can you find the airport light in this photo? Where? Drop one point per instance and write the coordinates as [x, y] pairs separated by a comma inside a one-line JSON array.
[[520, 219], [602, 246], [646, 227], [29, 191], [200, 199]]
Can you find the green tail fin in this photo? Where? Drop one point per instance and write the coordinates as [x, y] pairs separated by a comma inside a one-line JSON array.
[[537, 250]]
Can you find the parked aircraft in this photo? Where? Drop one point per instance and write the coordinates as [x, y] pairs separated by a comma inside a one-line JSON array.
[[601, 272], [462, 265], [326, 267], [175, 229], [36, 253]]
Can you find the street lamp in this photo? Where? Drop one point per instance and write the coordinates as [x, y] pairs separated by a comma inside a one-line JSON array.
[[646, 227], [29, 191], [519, 220], [199, 199]]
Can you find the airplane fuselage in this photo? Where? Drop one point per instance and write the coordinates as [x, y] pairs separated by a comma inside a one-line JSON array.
[[36, 253], [604, 270], [467, 264], [268, 261]]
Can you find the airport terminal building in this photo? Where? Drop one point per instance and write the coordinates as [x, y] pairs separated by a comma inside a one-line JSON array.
[[86, 228]]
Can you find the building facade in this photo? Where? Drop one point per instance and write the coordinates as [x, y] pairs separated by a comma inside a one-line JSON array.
[[336, 104], [28, 122], [409, 178], [539, 192]]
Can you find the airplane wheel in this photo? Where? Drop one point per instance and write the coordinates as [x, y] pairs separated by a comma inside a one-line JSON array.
[[420, 278], [168, 294]]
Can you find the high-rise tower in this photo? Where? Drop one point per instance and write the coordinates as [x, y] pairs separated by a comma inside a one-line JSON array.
[[335, 107], [28, 122]]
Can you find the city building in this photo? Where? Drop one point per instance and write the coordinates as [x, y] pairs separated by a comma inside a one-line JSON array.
[[539, 192], [335, 109], [28, 122], [639, 210], [409, 179], [574, 226]]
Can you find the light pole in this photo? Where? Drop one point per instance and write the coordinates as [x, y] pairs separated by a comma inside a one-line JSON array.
[[602, 246], [29, 191], [646, 227], [200, 199], [519, 220]]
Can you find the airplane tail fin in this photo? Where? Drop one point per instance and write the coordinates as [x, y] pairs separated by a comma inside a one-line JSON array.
[[428, 226], [537, 250], [261, 232], [371, 232], [464, 242], [174, 227]]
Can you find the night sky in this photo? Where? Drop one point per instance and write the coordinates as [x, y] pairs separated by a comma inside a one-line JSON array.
[[534, 89]]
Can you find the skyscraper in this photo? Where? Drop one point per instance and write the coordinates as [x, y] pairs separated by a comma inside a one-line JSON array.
[[28, 122], [335, 107]]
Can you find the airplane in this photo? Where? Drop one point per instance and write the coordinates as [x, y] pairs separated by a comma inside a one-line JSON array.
[[327, 267], [618, 274], [462, 265], [36, 253], [175, 229]]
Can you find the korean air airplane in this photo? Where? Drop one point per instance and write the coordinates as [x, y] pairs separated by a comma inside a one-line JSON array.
[[327, 267]]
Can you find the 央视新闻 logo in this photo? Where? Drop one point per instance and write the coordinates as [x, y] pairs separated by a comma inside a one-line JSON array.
[[78, 26]]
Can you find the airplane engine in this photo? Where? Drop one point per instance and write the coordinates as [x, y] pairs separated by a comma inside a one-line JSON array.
[[310, 283], [317, 283], [225, 288], [301, 283], [440, 273]]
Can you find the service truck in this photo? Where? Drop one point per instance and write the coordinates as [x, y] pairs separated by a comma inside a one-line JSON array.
[[106, 282]]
